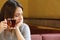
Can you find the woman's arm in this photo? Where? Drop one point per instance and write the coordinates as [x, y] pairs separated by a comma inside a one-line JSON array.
[[19, 35], [23, 33], [25, 30]]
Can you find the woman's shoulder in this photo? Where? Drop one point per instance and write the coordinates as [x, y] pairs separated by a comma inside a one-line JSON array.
[[24, 26]]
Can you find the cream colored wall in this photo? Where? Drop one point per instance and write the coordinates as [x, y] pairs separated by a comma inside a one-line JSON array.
[[44, 8]]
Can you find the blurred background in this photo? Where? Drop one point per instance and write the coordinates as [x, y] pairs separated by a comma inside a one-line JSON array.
[[40, 13], [39, 8]]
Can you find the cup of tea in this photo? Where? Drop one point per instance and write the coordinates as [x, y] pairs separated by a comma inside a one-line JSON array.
[[11, 23]]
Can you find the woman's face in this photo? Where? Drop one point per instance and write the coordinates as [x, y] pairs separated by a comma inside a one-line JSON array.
[[18, 15]]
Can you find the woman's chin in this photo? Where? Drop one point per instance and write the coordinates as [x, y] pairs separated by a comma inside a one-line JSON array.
[[18, 22]]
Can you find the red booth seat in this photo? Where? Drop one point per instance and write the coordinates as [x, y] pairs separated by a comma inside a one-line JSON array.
[[36, 37], [45, 37], [51, 36]]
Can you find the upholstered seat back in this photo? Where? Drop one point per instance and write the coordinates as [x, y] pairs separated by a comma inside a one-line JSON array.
[[50, 36]]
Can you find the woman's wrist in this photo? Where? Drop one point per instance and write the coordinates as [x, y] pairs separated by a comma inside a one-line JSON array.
[[19, 35], [17, 29]]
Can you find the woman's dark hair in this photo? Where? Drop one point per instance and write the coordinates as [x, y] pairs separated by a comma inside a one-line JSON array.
[[8, 9]]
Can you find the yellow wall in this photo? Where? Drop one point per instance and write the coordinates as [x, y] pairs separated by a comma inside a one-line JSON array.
[[1, 3], [44, 8], [25, 6], [39, 8]]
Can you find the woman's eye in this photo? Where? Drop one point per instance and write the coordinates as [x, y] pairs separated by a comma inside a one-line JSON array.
[[16, 16]]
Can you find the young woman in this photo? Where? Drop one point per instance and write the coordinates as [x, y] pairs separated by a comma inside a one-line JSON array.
[[12, 9]]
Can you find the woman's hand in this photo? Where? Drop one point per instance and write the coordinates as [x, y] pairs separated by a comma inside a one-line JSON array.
[[18, 24], [3, 25]]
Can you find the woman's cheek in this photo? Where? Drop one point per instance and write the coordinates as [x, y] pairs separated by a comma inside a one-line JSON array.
[[17, 21]]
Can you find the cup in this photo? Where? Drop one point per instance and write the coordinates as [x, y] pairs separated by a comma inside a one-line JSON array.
[[11, 23]]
